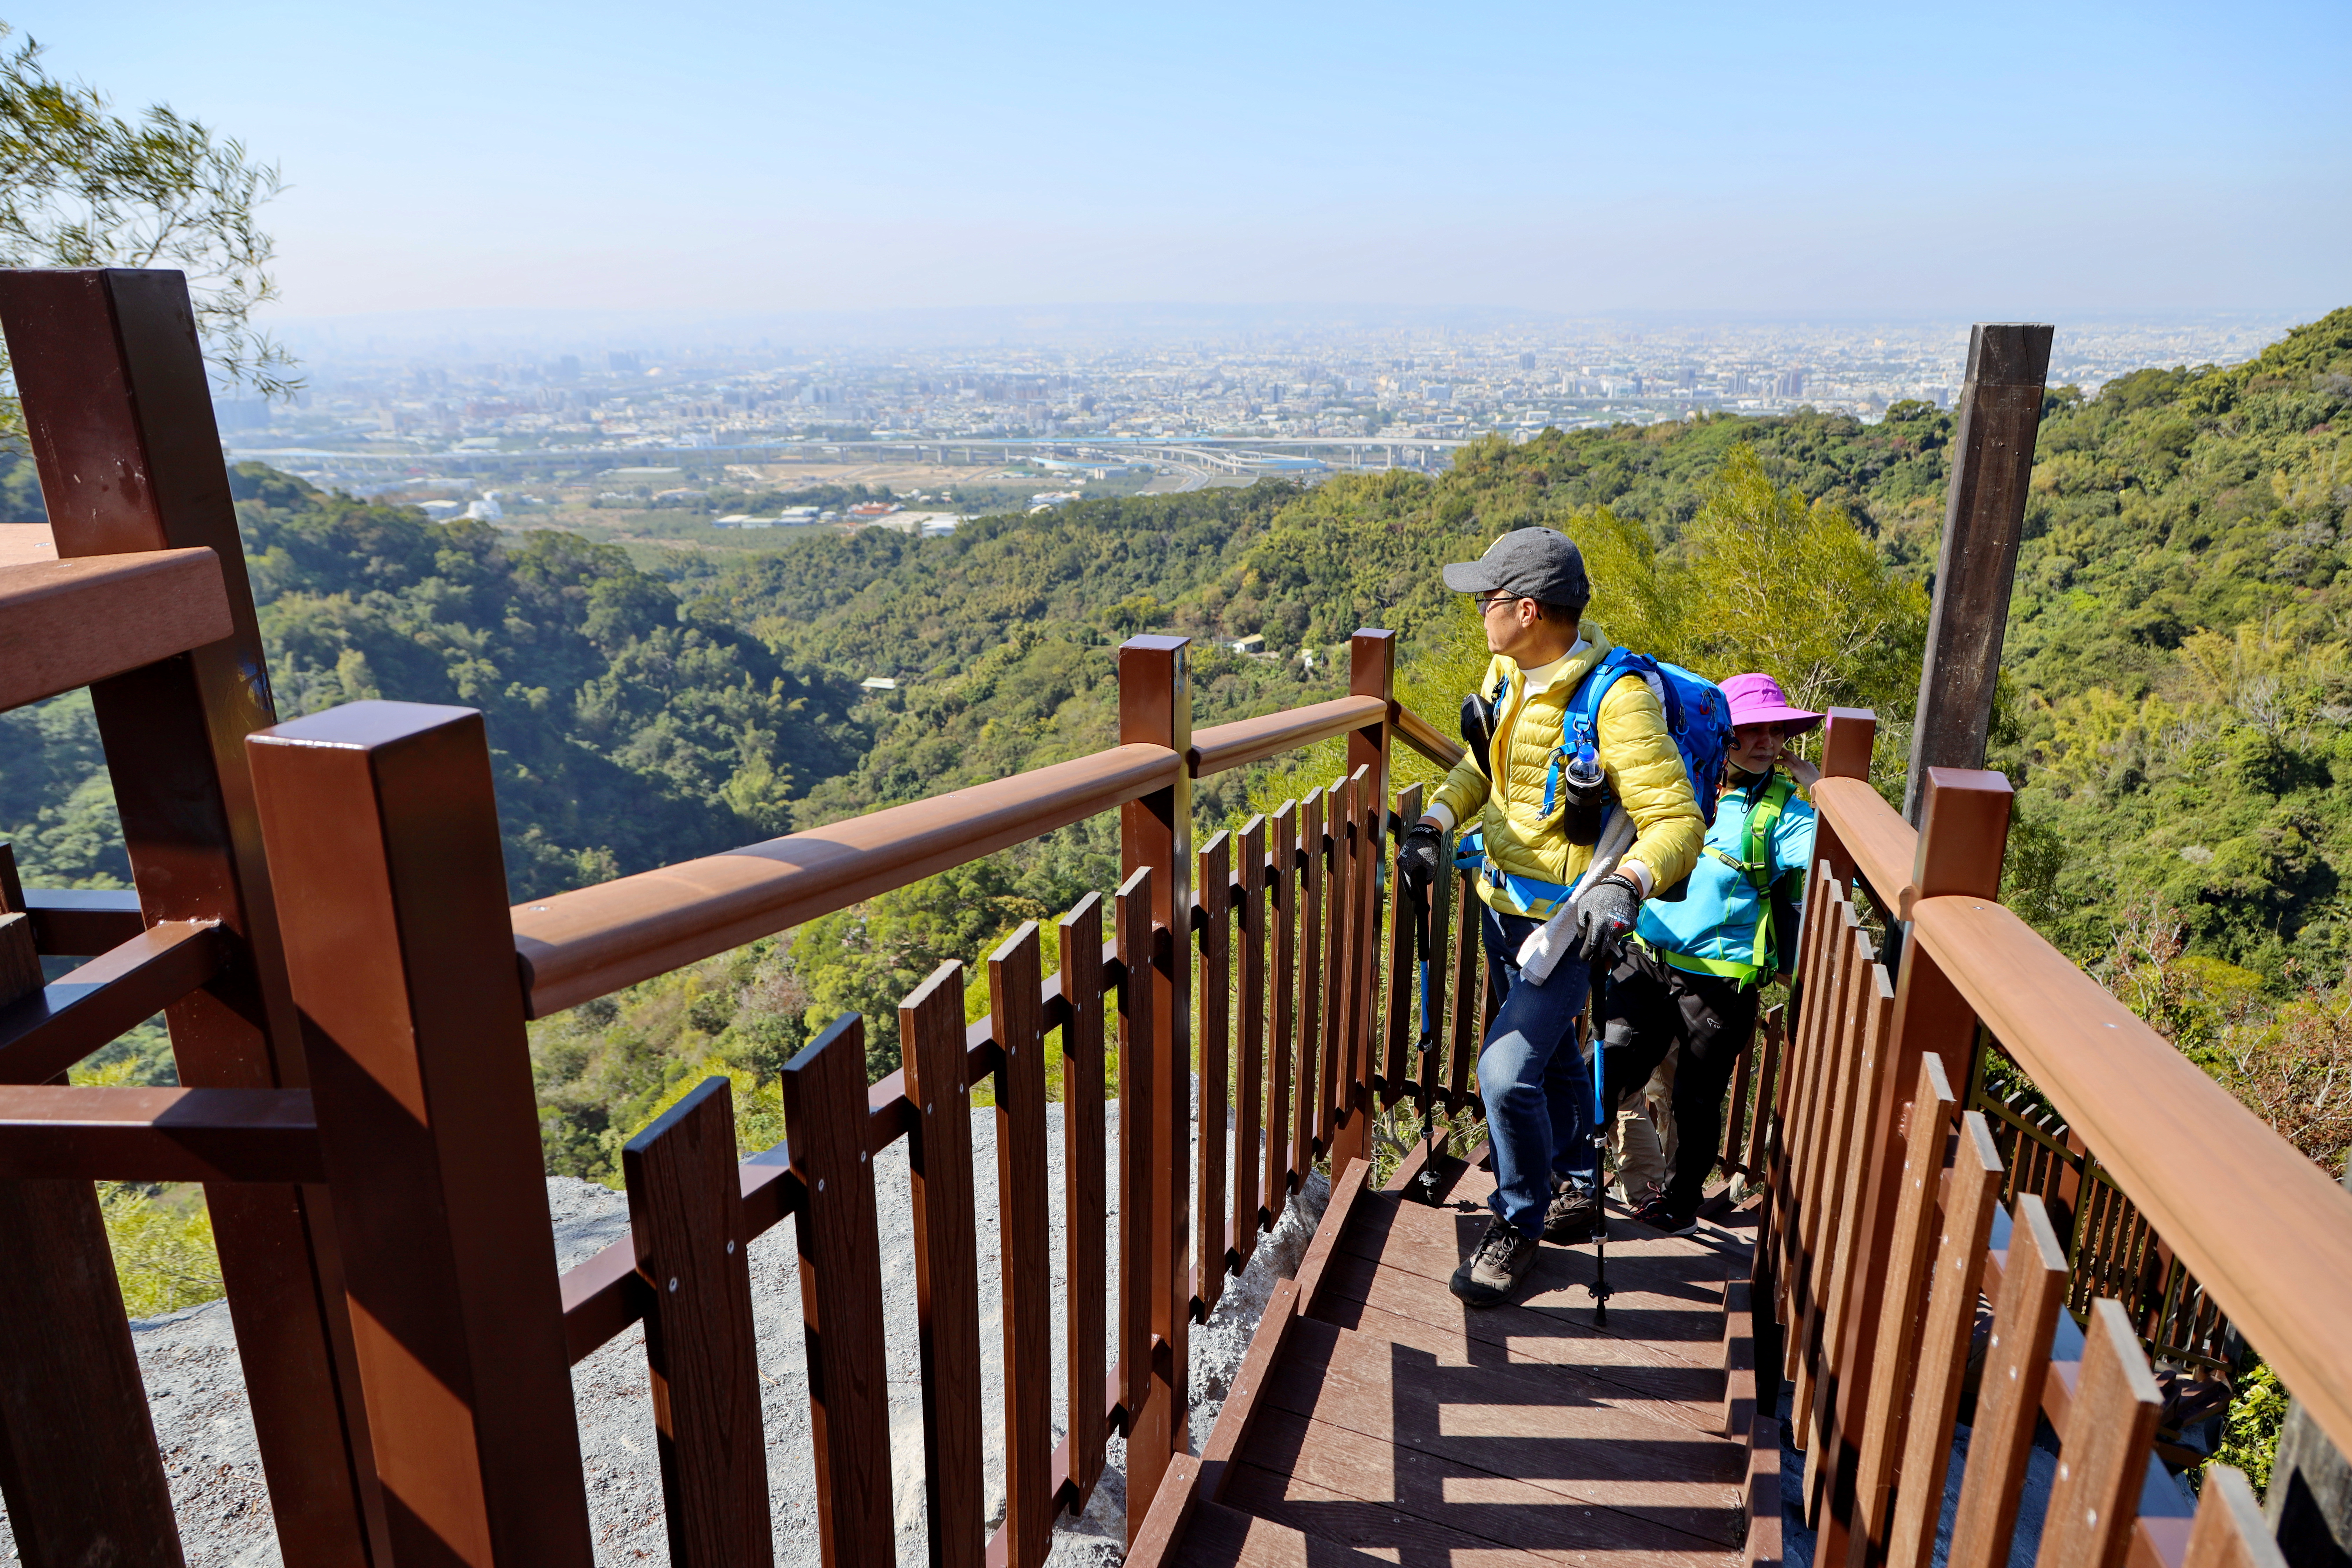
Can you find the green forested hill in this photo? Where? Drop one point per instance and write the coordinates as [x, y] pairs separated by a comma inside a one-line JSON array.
[[2176, 706]]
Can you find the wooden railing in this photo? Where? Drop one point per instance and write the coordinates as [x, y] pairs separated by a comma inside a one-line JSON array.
[[1900, 1189]]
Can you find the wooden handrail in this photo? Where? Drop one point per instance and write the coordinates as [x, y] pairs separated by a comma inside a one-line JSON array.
[[596, 940], [1425, 737], [57, 1131], [2261, 1226], [1224, 747], [65, 624], [1884, 847]]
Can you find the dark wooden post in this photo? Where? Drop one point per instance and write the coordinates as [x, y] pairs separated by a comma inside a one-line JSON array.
[[384, 839], [686, 1216], [1961, 842], [121, 423], [1371, 672], [1984, 518], [1155, 707]]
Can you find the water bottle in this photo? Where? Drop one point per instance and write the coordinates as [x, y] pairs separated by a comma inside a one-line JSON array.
[[1584, 796]]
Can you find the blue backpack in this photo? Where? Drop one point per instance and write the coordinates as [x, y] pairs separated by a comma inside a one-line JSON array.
[[1698, 717]]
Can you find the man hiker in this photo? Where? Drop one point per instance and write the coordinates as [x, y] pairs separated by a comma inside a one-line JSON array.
[[1551, 905], [1689, 980]]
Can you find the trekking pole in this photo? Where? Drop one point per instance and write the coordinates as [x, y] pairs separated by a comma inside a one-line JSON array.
[[1599, 1143]]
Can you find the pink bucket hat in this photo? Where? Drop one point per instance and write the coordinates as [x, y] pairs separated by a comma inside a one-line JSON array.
[[1757, 699]]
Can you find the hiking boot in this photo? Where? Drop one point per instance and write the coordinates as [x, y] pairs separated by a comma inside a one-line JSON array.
[[1574, 1216], [1502, 1259], [1662, 1214]]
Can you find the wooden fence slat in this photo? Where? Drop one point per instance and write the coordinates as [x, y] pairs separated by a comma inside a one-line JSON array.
[[1311, 959], [1907, 1266], [686, 1217], [1469, 989], [1804, 1263], [1216, 1074], [840, 1297], [1822, 894], [1281, 1144], [2229, 1530], [1339, 959], [1971, 1197], [1847, 1070], [1016, 997], [1403, 1017], [947, 1267], [1359, 1053], [2109, 1425], [1083, 1188], [1131, 912], [92, 1478], [1803, 1107], [1250, 1077], [1841, 1304], [2008, 1397]]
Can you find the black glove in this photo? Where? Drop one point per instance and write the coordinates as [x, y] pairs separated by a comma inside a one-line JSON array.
[[1604, 915], [1419, 856]]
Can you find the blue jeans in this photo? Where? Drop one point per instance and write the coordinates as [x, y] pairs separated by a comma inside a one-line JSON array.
[[1533, 1079]]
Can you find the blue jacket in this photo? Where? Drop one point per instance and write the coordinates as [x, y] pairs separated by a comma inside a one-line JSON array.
[[1714, 928]]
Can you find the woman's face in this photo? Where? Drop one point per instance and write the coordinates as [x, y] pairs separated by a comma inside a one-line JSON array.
[[1756, 747]]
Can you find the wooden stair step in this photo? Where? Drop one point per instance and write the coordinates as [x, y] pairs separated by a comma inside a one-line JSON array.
[[1665, 1292], [1216, 1536], [1530, 1432]]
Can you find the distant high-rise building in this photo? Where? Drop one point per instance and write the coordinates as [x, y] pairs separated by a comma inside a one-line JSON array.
[[568, 368], [621, 364], [1527, 362], [1792, 384]]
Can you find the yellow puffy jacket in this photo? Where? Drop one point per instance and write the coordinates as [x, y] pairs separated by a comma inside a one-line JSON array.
[[1644, 771]]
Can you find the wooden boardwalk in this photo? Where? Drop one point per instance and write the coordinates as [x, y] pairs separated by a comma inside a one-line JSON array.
[[1377, 1417]]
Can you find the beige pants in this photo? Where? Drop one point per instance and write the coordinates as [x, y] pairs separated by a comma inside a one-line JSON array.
[[1644, 1136]]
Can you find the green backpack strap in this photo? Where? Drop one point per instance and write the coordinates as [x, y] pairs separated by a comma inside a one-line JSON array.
[[1754, 861]]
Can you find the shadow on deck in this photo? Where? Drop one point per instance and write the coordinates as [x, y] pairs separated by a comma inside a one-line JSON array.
[[1378, 1417]]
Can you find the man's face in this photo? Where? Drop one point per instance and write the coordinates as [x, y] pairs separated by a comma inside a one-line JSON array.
[[1508, 620], [1756, 747]]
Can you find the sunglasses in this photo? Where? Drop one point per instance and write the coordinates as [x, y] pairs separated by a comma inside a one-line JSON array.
[[1487, 602]]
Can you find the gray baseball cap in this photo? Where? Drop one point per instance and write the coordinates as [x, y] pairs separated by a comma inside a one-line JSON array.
[[1539, 564]]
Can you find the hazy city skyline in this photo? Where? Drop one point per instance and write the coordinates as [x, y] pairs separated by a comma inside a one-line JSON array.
[[2016, 162]]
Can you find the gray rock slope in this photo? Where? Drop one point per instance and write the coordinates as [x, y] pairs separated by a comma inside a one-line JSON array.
[[205, 1430]]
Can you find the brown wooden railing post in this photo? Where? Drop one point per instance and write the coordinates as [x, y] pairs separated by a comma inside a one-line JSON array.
[[1371, 672], [119, 419], [686, 1217], [1964, 832], [384, 839], [1155, 706]]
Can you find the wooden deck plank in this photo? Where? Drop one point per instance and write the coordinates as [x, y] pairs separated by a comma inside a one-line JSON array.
[[1314, 1476], [1665, 1292], [1395, 1423], [1612, 1372], [1523, 1426]]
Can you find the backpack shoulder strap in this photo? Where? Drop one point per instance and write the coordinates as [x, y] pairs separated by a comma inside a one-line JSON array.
[[1762, 821], [1580, 715]]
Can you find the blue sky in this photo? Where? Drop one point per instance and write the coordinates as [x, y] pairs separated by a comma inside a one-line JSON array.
[[1991, 160]]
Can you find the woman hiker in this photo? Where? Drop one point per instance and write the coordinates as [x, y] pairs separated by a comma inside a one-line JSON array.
[[1532, 590], [1689, 980]]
